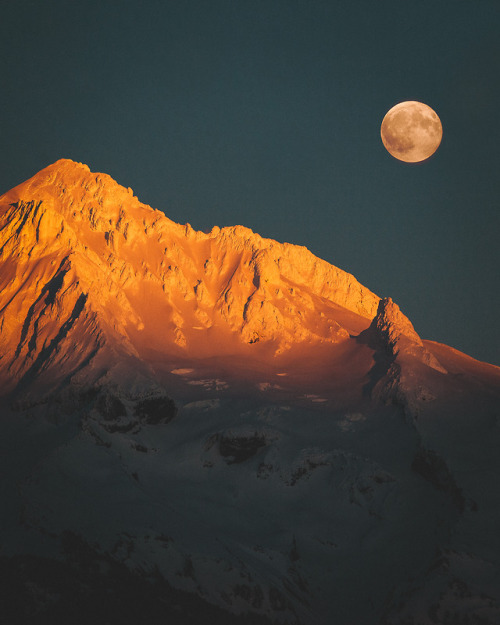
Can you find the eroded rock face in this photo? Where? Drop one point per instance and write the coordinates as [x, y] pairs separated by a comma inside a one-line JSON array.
[[393, 328], [155, 410], [116, 411], [80, 251], [236, 446], [393, 332], [110, 407]]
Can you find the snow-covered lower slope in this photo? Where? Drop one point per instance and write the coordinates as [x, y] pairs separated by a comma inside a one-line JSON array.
[[227, 429]]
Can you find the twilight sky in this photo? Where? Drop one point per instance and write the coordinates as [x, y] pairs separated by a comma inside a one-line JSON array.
[[267, 113]]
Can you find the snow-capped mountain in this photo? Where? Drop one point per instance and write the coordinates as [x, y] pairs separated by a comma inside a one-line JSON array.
[[229, 428]]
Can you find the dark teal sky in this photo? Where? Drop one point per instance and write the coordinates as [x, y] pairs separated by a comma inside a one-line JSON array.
[[267, 114]]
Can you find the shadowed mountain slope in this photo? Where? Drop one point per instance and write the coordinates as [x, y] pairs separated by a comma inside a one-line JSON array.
[[221, 425]]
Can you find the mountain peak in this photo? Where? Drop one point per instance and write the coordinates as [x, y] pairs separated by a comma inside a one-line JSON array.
[[63, 176], [392, 326], [148, 283], [392, 330], [152, 376]]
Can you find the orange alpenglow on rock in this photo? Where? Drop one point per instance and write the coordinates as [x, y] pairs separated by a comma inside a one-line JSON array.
[[397, 334], [152, 376], [87, 269]]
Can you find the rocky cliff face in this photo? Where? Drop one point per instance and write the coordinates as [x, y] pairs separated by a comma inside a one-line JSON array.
[[84, 263]]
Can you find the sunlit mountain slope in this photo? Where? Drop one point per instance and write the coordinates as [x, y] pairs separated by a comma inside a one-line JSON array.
[[216, 427], [81, 252]]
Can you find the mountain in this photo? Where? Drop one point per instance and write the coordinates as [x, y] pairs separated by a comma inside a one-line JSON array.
[[219, 427]]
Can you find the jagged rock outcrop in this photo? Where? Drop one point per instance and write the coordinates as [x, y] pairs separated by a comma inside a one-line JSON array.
[[401, 359], [238, 446], [394, 332], [393, 328]]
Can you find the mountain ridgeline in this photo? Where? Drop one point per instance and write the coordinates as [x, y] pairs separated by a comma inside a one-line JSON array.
[[228, 428], [84, 262]]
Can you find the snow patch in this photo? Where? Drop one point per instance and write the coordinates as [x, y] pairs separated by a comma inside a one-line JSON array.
[[203, 404], [348, 423], [210, 384], [268, 386]]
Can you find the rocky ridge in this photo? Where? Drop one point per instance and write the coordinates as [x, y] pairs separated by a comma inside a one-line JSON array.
[[228, 425], [79, 248]]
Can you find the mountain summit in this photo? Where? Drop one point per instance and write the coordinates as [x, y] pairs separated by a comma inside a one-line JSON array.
[[217, 427], [81, 253]]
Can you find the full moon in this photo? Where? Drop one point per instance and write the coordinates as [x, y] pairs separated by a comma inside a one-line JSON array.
[[411, 131]]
